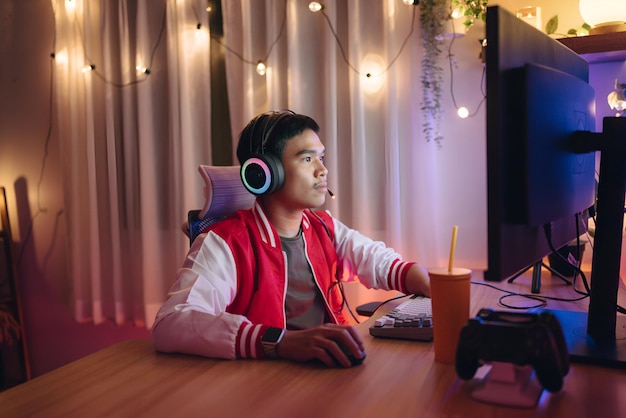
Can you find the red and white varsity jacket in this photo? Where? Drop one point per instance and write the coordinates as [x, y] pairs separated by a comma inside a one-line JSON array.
[[233, 282]]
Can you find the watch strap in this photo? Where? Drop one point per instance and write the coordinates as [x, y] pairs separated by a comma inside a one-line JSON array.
[[270, 340]]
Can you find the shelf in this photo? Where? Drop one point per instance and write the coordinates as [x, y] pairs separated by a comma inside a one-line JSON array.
[[606, 47]]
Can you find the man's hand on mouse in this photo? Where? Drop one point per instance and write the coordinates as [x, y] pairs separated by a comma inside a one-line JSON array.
[[326, 343]]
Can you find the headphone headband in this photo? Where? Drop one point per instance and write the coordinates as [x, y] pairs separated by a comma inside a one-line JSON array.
[[272, 119]]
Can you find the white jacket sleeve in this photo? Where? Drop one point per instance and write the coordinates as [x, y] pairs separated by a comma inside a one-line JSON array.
[[193, 319], [376, 265]]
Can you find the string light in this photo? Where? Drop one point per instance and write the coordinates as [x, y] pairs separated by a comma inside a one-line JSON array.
[[374, 64], [343, 53], [462, 111], [315, 6], [61, 57], [261, 68], [143, 69]]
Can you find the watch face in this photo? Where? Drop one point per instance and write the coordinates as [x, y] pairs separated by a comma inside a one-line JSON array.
[[271, 335]]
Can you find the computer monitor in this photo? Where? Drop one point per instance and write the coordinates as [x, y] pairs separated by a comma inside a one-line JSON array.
[[537, 94], [541, 170]]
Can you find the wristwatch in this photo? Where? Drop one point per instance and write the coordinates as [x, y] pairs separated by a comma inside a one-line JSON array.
[[270, 340]]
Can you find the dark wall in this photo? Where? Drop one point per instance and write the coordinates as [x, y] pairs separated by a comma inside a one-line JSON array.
[[31, 173]]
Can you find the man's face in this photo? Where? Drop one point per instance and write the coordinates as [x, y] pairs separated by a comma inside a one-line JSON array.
[[305, 174]]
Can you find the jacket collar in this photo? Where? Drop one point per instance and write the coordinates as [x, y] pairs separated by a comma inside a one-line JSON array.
[[266, 229]]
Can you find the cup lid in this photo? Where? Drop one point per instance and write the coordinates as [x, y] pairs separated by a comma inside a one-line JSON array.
[[456, 271]]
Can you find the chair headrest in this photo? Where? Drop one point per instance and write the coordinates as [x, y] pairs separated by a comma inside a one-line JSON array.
[[224, 192]]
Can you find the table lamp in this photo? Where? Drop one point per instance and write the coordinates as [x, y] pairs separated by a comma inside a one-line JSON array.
[[604, 16]]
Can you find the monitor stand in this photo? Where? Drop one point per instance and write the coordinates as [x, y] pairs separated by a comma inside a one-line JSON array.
[[535, 286], [584, 349], [598, 337]]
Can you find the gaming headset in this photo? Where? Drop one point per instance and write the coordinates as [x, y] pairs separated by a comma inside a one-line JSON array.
[[263, 173]]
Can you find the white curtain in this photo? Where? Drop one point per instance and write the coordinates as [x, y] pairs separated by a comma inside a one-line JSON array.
[[132, 141], [380, 166]]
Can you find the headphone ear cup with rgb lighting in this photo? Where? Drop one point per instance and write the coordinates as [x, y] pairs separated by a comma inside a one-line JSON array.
[[262, 174]]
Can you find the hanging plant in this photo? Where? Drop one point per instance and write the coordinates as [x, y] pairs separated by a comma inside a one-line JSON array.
[[433, 15], [473, 10]]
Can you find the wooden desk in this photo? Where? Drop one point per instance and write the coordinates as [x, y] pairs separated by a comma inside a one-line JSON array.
[[397, 379]]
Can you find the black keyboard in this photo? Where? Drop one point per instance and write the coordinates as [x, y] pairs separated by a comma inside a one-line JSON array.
[[411, 320]]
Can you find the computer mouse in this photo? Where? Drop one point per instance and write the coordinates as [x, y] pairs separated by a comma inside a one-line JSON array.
[[354, 360]]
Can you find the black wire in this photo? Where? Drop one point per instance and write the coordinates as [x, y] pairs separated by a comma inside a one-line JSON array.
[[482, 80], [344, 299], [280, 33], [161, 32], [383, 303], [338, 283], [40, 209], [343, 52], [542, 299], [548, 233], [269, 51], [102, 77]]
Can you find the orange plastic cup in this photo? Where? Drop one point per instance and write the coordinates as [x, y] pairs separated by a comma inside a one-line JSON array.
[[450, 297]]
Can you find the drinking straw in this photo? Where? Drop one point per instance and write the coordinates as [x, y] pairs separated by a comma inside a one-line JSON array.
[[455, 230]]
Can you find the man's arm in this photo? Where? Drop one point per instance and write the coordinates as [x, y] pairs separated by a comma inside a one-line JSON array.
[[193, 319], [417, 280], [373, 262]]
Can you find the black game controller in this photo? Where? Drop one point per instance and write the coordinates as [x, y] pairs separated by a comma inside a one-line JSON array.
[[534, 339]]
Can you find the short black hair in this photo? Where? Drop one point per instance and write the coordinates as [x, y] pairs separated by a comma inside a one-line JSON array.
[[268, 132]]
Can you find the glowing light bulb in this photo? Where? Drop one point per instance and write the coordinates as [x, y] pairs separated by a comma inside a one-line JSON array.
[[88, 68], [60, 57], [372, 69], [315, 6], [456, 13], [261, 68], [142, 69], [462, 112]]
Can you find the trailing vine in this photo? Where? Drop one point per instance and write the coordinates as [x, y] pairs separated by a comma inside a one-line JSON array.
[[433, 15]]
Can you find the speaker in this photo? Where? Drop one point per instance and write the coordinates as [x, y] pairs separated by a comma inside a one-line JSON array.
[[263, 173]]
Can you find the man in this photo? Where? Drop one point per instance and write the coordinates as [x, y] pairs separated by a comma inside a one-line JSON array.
[[264, 282]]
